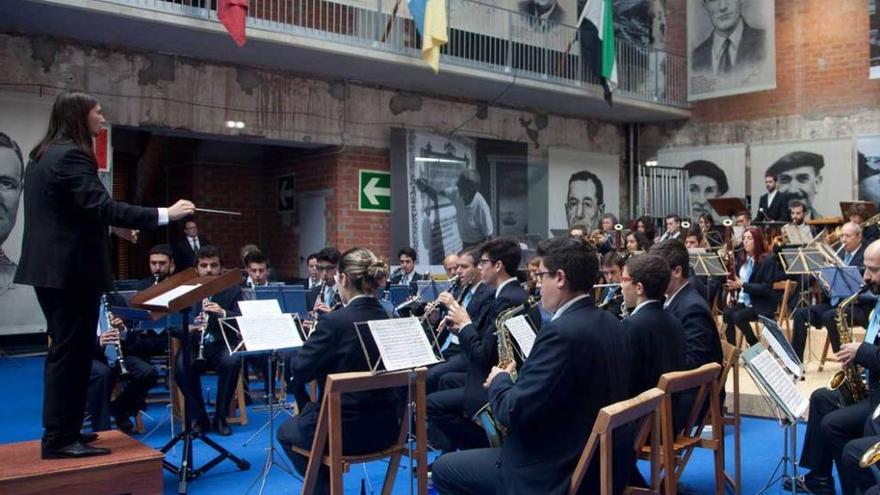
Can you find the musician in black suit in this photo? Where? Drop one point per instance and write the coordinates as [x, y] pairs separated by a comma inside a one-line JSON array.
[[370, 420], [65, 257], [450, 411], [825, 313], [407, 274], [701, 341], [611, 298], [773, 205], [216, 355], [656, 337], [833, 419], [579, 363], [757, 271], [324, 296], [673, 228], [186, 249]]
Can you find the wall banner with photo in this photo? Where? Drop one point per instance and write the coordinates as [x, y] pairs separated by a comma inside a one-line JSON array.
[[874, 37], [869, 168], [713, 172], [23, 121], [819, 173], [731, 47], [582, 187]]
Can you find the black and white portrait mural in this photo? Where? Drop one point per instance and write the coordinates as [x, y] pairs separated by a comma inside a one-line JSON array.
[[582, 187], [818, 173], [731, 47], [713, 172], [869, 168]]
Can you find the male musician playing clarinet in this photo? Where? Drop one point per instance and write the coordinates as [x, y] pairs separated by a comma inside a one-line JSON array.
[[324, 296], [832, 422], [580, 363], [213, 346]]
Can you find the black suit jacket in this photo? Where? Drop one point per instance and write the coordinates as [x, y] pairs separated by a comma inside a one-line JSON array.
[[580, 363], [184, 255], [777, 210], [479, 345], [334, 347], [228, 300], [759, 286], [701, 341], [312, 297], [656, 343], [751, 50], [66, 214]]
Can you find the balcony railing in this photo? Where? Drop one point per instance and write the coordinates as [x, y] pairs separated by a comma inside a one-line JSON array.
[[508, 42]]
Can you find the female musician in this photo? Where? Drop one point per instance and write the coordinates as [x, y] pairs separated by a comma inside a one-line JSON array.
[[370, 420], [757, 270], [646, 226], [710, 232], [636, 241]]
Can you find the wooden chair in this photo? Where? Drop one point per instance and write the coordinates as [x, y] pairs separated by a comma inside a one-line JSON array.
[[732, 417], [328, 433], [782, 312], [237, 408], [676, 448], [643, 409]]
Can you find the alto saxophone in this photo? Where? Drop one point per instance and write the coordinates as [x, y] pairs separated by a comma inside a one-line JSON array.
[[848, 376], [495, 431]]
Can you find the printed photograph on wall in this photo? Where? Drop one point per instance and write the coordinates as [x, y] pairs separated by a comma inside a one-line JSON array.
[[22, 124], [818, 173], [869, 168], [713, 172], [731, 47], [582, 187]]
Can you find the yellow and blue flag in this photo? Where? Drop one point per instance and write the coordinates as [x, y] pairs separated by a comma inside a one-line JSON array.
[[431, 22]]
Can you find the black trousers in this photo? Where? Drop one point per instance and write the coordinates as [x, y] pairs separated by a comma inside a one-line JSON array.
[[132, 398], [467, 472], [854, 479], [741, 316], [217, 358], [361, 434], [71, 321], [829, 428], [823, 315], [101, 383], [448, 428], [456, 363]]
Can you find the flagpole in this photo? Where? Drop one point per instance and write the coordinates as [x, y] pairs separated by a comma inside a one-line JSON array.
[[577, 29], [390, 21]]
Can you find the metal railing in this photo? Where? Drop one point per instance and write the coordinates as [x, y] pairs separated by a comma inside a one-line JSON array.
[[481, 36], [664, 191]]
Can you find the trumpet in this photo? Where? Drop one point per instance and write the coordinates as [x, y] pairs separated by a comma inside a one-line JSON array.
[[120, 359]]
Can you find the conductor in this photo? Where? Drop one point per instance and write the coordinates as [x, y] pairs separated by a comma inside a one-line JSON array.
[[65, 257]]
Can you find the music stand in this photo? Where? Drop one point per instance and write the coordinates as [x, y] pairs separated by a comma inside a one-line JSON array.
[[178, 294], [708, 265], [803, 262], [840, 281], [728, 207], [782, 347]]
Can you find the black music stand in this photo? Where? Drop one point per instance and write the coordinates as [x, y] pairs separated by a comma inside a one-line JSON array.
[[708, 265], [207, 286], [728, 207]]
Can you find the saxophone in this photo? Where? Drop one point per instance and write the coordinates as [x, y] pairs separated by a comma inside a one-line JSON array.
[[495, 431], [848, 376]]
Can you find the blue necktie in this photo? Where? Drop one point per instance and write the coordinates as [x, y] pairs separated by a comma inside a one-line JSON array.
[[846, 260], [874, 325], [468, 297]]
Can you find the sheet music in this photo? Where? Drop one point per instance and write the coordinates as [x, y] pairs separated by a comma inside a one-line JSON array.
[[266, 333], [402, 343], [797, 234], [522, 332], [780, 384], [780, 351], [257, 308], [165, 298]]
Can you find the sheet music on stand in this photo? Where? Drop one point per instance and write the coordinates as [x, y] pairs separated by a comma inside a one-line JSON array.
[[840, 281], [802, 261], [776, 384], [522, 332], [395, 344], [797, 235], [263, 307], [781, 347], [708, 265], [263, 333]]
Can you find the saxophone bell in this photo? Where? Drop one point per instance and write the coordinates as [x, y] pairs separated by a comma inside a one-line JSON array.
[[849, 377]]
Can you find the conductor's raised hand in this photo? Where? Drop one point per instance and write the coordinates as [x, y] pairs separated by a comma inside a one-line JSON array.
[[183, 208]]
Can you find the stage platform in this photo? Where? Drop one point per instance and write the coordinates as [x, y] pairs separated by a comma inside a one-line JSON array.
[[132, 468]]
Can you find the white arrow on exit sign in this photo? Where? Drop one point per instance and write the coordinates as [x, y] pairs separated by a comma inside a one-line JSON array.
[[372, 190]]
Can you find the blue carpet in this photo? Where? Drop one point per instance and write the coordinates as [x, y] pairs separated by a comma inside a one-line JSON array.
[[22, 386]]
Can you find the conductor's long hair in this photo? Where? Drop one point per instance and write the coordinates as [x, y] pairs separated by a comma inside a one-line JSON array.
[[68, 124]]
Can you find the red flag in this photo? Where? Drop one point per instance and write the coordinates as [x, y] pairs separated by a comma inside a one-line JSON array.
[[233, 15]]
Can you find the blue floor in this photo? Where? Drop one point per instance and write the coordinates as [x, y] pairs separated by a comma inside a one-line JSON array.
[[20, 419]]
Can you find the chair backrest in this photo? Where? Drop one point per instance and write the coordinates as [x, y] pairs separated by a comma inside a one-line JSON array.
[[731, 358], [643, 409], [703, 379], [787, 287]]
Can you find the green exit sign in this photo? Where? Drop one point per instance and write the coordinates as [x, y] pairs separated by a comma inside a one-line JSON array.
[[374, 191]]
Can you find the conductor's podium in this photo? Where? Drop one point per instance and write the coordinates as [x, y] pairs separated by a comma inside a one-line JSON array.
[[131, 468]]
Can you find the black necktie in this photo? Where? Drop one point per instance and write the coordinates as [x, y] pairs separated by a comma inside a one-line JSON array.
[[724, 65]]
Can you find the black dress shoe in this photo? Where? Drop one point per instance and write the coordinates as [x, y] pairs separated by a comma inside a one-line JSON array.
[[74, 450], [817, 485], [88, 437], [221, 427], [124, 424]]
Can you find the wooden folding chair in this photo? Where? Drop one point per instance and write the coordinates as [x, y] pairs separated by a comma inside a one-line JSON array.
[[732, 417], [328, 433], [237, 407], [676, 448], [783, 314], [643, 409]]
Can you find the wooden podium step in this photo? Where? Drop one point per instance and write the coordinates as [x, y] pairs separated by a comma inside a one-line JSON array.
[[131, 468]]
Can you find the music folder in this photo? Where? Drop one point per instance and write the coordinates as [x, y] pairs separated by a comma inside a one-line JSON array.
[[781, 347], [775, 383], [840, 281]]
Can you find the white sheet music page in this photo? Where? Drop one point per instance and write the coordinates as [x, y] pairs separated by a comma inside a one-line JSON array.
[[522, 332], [780, 351], [261, 307], [780, 384], [402, 343], [165, 298], [266, 333]]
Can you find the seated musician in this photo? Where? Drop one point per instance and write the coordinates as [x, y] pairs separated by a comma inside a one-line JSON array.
[[407, 274], [611, 299], [579, 363], [798, 218], [450, 411], [162, 266], [216, 354], [645, 225], [370, 420], [450, 264], [325, 296], [824, 314], [710, 232], [757, 270], [105, 374], [857, 215], [636, 242], [257, 266], [150, 342], [835, 420], [673, 228], [701, 341], [708, 287]]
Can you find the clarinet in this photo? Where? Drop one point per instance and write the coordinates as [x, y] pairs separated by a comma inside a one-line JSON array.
[[203, 319], [120, 359]]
